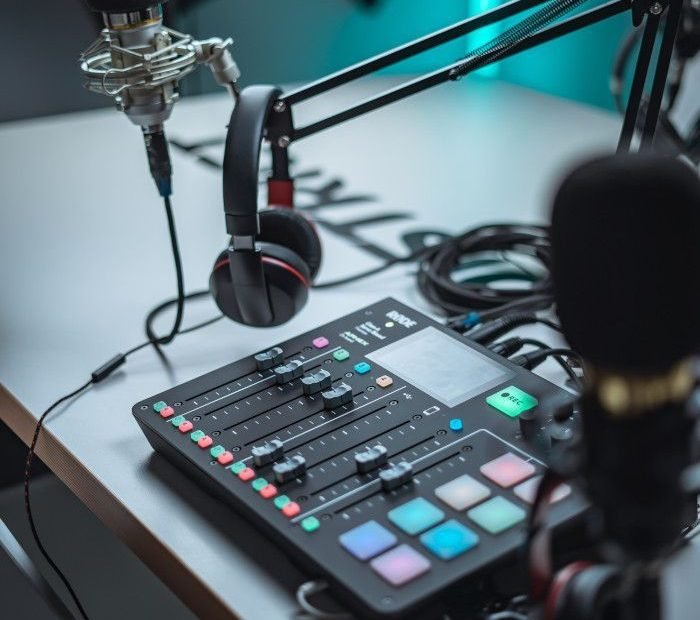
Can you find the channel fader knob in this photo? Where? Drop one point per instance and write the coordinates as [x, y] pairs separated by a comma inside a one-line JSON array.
[[370, 459], [293, 467], [270, 451], [315, 382], [268, 359], [339, 395], [395, 476], [288, 372]]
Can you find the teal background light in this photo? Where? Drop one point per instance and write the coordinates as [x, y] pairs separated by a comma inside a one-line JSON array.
[[282, 41], [576, 66], [480, 37]]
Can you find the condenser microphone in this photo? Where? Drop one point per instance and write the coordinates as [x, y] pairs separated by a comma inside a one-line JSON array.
[[139, 63], [626, 271]]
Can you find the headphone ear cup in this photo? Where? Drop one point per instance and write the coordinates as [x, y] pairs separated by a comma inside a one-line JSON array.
[[588, 594], [287, 228], [222, 289], [287, 278]]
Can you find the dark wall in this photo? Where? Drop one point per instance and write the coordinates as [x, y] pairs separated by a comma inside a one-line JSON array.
[[39, 49]]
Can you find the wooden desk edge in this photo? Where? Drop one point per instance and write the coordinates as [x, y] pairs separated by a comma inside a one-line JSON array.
[[193, 592]]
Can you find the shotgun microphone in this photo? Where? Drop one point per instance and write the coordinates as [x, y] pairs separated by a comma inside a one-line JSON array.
[[626, 266]]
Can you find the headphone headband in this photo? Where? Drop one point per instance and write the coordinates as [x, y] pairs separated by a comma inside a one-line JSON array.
[[242, 159], [263, 277]]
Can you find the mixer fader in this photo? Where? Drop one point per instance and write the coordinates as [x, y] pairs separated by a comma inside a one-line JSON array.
[[381, 450]]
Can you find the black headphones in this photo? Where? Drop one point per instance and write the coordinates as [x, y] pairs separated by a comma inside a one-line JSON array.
[[263, 278], [584, 591]]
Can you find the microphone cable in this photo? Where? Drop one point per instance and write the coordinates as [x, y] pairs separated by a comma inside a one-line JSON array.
[[97, 375], [180, 301]]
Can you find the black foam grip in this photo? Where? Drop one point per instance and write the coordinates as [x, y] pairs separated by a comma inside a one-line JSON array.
[[626, 261], [121, 6], [242, 154]]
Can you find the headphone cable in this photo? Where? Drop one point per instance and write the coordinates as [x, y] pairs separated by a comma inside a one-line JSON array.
[[104, 371], [98, 375]]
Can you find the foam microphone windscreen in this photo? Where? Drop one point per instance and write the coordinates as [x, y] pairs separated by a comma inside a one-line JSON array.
[[626, 261]]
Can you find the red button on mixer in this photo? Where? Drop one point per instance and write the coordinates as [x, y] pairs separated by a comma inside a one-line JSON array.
[[268, 491], [246, 474], [185, 427], [291, 509], [205, 441], [225, 458]]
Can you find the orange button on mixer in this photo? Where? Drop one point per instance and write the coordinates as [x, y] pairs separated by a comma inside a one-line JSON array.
[[384, 381]]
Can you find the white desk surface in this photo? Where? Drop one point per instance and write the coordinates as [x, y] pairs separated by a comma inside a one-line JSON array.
[[85, 253]]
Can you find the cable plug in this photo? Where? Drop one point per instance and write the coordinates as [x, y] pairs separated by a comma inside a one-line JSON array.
[[465, 321], [488, 332], [506, 348], [530, 360], [159, 159], [104, 371]]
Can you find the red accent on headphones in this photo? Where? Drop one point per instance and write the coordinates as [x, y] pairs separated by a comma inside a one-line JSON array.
[[272, 261], [559, 583], [280, 192]]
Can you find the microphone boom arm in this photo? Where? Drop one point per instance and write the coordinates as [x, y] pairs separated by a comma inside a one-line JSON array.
[[281, 131]]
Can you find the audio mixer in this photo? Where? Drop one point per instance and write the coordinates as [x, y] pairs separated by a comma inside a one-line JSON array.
[[382, 451]]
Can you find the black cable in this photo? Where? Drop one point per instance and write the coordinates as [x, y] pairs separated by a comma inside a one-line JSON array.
[[563, 351], [534, 343], [617, 76], [98, 375], [511, 346], [160, 308], [438, 263], [461, 298], [197, 326], [557, 358], [150, 334], [105, 371], [531, 303], [486, 333], [27, 502], [533, 359]]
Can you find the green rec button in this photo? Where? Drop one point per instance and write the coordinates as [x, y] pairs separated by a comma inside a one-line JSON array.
[[512, 401]]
